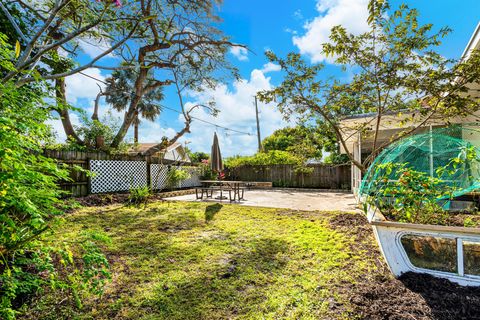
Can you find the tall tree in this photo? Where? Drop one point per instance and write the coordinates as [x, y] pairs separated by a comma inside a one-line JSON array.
[[396, 73], [180, 45], [119, 93], [50, 34], [168, 42], [299, 140], [71, 26]]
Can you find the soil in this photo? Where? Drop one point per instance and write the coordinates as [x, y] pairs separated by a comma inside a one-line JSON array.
[[412, 296], [94, 200]]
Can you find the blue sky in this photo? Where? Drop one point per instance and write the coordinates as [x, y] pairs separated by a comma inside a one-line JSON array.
[[282, 26]]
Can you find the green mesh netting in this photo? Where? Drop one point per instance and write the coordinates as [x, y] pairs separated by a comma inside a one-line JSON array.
[[449, 154]]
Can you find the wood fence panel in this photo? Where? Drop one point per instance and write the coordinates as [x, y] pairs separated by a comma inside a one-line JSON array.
[[322, 176]]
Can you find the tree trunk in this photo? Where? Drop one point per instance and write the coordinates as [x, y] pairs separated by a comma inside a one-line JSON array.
[[99, 139], [63, 111], [135, 130], [127, 122]]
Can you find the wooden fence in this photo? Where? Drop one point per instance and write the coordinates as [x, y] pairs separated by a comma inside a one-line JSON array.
[[80, 183], [322, 177]]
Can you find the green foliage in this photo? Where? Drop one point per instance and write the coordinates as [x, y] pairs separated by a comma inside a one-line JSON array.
[[416, 178], [469, 222], [198, 157], [120, 91], [175, 176], [302, 141], [335, 158], [90, 129], [139, 196], [29, 201], [263, 158], [414, 197], [206, 170], [397, 73]]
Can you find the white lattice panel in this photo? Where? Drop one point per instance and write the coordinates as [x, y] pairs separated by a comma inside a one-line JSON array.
[[158, 176], [194, 180], [117, 175]]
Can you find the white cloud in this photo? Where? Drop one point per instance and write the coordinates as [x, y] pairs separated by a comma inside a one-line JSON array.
[[352, 14], [81, 86], [291, 31], [270, 67], [149, 132], [240, 53], [237, 111], [298, 14], [57, 127]]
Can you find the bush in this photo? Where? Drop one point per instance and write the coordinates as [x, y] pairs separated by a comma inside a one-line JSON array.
[[30, 202], [414, 197], [139, 196], [264, 158], [175, 176], [206, 171]]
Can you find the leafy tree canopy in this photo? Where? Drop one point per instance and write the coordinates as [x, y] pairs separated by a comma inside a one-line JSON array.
[[263, 158], [198, 156], [296, 140], [397, 73]]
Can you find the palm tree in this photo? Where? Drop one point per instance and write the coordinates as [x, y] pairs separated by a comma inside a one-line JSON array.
[[120, 90]]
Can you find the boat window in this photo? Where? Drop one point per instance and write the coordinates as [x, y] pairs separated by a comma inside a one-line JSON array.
[[433, 253], [471, 257]]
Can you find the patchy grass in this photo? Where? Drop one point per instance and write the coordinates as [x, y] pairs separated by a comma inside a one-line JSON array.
[[176, 260]]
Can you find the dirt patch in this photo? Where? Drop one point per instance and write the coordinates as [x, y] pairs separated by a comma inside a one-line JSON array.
[[348, 220], [413, 296], [464, 220], [355, 224], [97, 200], [93, 200]]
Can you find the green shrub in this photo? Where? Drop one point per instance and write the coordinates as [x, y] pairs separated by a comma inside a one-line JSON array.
[[175, 176], [206, 172], [30, 203], [264, 158], [139, 196], [413, 196]]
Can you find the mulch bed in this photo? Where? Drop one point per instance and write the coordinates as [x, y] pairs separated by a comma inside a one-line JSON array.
[[105, 199], [412, 296]]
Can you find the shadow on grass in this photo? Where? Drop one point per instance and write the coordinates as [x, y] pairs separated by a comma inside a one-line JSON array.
[[234, 286], [211, 211], [184, 270]]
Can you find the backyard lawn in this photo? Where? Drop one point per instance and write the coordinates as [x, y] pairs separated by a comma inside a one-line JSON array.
[[174, 260]]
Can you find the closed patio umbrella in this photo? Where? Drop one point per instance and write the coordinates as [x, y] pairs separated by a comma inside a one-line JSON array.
[[216, 157]]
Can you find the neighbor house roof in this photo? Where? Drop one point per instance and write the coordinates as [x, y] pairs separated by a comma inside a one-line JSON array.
[[175, 152]]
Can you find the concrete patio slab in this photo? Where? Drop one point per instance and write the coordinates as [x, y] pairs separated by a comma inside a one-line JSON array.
[[295, 199]]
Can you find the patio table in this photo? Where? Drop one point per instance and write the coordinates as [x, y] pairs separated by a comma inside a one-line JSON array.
[[229, 185]]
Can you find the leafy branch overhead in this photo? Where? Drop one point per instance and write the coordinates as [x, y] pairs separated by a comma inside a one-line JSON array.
[[157, 43], [397, 75]]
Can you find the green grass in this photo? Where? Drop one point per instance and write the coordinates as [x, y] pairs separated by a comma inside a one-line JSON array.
[[176, 260]]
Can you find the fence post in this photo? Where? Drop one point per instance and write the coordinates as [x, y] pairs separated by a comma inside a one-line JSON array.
[[149, 178], [89, 178]]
